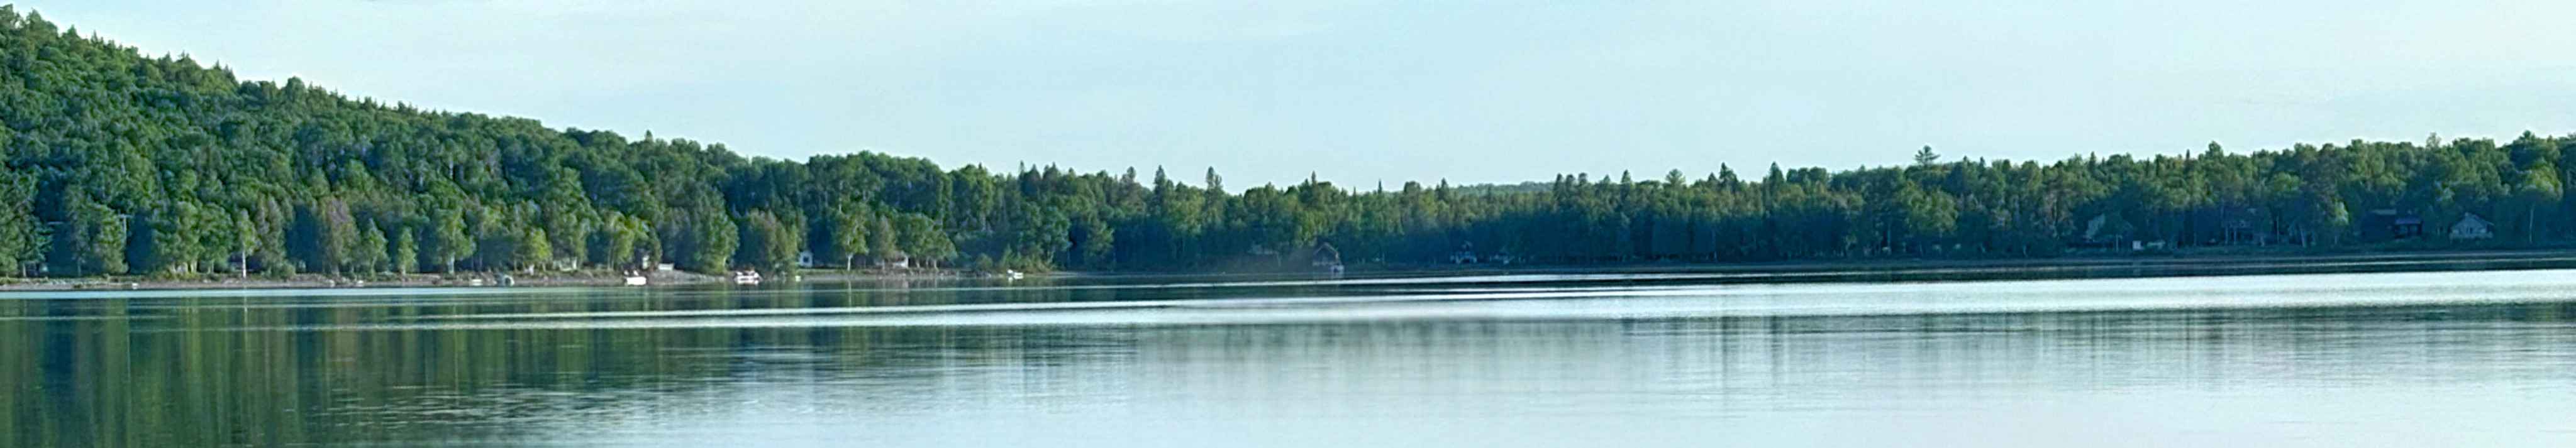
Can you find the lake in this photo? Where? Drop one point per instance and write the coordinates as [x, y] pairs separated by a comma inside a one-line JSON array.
[[2328, 360]]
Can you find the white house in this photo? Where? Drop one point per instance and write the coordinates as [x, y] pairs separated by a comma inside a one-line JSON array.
[[2471, 227]]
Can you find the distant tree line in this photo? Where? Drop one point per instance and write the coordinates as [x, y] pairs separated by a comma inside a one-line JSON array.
[[122, 164]]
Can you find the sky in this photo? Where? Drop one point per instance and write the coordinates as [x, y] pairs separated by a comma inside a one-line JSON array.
[[1366, 92]]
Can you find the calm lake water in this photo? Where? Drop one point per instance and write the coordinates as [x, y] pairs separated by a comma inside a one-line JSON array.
[[2384, 359]]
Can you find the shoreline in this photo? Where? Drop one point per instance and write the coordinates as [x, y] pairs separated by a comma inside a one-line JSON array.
[[489, 280], [1802, 271], [2090, 266]]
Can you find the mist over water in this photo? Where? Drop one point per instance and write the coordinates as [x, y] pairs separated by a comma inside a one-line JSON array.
[[2386, 359]]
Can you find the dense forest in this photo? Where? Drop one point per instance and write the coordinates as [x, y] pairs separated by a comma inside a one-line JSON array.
[[118, 163]]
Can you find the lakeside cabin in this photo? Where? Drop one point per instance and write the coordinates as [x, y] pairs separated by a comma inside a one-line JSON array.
[[2382, 225], [2472, 227], [1325, 257]]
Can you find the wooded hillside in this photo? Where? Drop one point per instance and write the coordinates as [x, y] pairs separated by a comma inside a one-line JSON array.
[[119, 163]]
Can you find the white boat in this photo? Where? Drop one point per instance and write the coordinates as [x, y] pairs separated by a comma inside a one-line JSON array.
[[636, 279], [1012, 275], [746, 278]]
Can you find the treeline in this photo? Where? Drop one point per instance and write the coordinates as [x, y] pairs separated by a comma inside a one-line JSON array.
[[122, 164]]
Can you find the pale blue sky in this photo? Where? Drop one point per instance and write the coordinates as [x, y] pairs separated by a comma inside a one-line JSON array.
[[1368, 91]]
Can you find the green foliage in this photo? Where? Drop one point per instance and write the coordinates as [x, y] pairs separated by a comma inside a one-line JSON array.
[[371, 252], [920, 237], [405, 253], [532, 250], [842, 234], [702, 241], [20, 240], [616, 243], [448, 241], [119, 163], [767, 244], [881, 239], [89, 240]]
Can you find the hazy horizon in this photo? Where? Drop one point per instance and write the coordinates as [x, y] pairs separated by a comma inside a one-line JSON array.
[[1362, 93]]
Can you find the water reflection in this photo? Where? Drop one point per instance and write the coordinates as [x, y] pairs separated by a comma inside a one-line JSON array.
[[2395, 359]]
